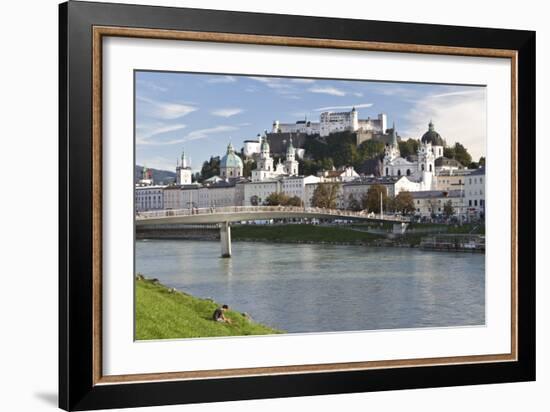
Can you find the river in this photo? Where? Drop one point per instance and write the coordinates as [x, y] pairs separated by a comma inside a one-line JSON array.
[[320, 288]]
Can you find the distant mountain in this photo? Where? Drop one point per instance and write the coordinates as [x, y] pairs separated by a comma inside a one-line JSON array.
[[159, 176]]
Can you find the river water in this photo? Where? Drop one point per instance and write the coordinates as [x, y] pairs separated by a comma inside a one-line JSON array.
[[320, 288]]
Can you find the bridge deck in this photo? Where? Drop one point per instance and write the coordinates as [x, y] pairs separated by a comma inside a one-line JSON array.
[[249, 213]]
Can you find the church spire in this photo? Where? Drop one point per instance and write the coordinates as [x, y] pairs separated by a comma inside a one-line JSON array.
[[393, 136]]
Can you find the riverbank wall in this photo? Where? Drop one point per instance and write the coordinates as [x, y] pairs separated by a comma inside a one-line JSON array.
[[304, 234]]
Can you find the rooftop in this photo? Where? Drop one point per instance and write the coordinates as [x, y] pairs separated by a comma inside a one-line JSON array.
[[434, 194], [478, 172]]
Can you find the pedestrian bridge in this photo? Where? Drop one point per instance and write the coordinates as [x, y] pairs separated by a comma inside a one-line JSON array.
[[226, 215]]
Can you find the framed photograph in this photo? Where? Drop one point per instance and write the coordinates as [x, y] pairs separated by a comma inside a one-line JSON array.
[[256, 206]]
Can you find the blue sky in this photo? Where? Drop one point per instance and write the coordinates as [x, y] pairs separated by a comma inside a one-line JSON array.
[[202, 113]]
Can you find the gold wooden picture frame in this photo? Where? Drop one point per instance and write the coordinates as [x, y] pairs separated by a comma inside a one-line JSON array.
[[95, 389]]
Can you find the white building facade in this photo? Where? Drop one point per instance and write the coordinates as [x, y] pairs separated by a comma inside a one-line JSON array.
[[431, 203], [149, 198], [256, 192], [474, 193], [296, 186]]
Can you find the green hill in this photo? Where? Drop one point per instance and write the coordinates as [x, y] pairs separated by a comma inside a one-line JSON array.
[[163, 313]]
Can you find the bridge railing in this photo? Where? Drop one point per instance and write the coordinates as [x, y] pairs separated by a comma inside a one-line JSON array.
[[265, 209]]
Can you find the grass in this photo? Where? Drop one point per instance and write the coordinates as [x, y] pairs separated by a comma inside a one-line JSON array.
[[162, 313], [301, 233], [344, 234]]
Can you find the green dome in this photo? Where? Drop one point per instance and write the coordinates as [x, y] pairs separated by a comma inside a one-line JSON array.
[[231, 159], [431, 136]]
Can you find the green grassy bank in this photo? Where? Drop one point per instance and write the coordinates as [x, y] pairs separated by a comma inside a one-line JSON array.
[[163, 313], [302, 233], [354, 234]]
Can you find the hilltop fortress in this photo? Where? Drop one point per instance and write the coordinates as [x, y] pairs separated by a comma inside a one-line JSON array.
[[333, 122]]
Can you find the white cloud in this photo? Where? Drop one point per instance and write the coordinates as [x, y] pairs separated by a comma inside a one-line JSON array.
[[222, 79], [358, 94], [194, 135], [152, 86], [144, 132], [203, 133], [457, 117], [304, 81], [458, 93], [228, 112], [333, 91], [167, 110], [272, 82], [265, 80], [347, 106]]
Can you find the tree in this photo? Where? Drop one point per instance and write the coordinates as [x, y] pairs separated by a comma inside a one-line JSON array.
[[325, 195], [254, 200], [248, 167], [403, 203], [448, 209], [449, 152], [210, 168], [371, 200], [481, 161], [276, 199], [433, 208], [294, 201], [408, 147], [461, 154], [353, 203], [370, 149]]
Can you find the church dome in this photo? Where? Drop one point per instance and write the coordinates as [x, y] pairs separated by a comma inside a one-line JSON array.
[[231, 159], [431, 136]]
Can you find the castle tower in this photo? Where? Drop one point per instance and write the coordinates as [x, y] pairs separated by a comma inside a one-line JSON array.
[[354, 120], [291, 164], [183, 171]]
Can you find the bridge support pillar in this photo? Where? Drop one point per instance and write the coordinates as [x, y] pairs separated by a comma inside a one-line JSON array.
[[400, 228], [225, 238]]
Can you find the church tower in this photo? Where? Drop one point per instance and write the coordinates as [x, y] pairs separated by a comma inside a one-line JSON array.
[[183, 171], [146, 177], [264, 169], [426, 164], [391, 153], [266, 161], [291, 164]]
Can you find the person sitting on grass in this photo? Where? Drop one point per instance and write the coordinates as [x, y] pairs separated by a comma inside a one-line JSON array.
[[219, 314]]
